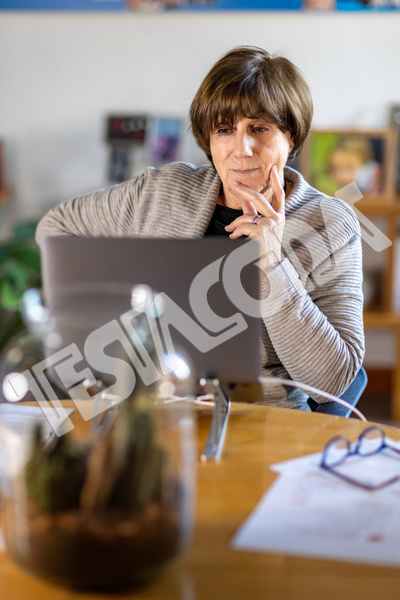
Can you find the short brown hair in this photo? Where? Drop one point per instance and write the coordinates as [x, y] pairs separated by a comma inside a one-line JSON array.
[[250, 82]]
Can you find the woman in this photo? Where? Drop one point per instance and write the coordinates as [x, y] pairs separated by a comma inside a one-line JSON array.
[[251, 113]]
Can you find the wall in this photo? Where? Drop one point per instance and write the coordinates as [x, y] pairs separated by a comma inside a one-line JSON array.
[[61, 74]]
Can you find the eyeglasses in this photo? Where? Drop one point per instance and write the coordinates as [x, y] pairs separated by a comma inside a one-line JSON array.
[[338, 449]]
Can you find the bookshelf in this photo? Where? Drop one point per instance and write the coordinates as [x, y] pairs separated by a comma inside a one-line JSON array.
[[387, 208], [332, 159]]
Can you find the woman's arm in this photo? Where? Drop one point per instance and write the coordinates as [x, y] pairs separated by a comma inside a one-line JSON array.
[[102, 213], [312, 302], [315, 322]]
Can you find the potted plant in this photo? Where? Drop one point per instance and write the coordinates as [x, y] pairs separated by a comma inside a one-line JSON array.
[[103, 514], [19, 270]]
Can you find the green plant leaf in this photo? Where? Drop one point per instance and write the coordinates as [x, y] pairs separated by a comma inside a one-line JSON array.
[[24, 231], [19, 270], [29, 257], [10, 298], [17, 274]]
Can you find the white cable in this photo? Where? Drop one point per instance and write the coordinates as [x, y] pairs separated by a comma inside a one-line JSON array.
[[309, 389], [205, 400]]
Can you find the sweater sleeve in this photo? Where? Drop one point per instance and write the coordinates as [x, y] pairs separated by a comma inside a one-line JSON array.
[[314, 318], [104, 213]]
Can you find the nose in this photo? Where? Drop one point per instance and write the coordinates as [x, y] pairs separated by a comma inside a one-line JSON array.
[[243, 145]]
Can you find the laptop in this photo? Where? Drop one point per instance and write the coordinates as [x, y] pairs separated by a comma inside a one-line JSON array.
[[89, 280]]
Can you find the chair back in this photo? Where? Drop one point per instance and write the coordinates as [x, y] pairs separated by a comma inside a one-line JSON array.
[[351, 395]]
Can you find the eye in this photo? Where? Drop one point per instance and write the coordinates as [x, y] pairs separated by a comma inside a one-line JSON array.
[[223, 129], [260, 128]]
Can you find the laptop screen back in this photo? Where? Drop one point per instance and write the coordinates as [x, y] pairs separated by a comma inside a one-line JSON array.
[[200, 319]]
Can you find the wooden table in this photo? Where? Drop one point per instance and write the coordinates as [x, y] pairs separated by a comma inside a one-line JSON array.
[[227, 493]]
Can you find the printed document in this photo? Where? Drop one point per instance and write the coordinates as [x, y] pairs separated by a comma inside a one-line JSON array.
[[310, 512]]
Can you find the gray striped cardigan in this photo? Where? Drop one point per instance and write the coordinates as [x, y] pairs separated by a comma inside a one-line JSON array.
[[313, 323]]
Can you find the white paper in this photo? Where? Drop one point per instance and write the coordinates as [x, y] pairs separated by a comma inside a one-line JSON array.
[[310, 512]]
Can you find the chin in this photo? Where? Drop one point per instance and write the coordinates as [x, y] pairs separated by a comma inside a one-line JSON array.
[[252, 181], [254, 185]]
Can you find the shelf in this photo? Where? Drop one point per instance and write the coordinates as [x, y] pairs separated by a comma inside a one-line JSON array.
[[387, 207], [379, 206], [381, 319]]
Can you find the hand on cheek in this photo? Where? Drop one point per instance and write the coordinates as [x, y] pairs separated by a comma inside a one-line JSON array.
[[268, 226]]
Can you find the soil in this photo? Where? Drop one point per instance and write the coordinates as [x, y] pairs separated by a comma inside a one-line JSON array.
[[114, 549]]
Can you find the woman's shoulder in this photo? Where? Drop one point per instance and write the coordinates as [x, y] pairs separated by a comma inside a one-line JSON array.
[[318, 209], [183, 173]]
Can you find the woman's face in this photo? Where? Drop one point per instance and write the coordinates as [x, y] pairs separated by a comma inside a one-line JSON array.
[[246, 151]]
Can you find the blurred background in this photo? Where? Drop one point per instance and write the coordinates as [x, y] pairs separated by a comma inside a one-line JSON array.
[[63, 74]]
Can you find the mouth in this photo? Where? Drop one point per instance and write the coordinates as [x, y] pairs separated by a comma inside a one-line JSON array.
[[245, 171]]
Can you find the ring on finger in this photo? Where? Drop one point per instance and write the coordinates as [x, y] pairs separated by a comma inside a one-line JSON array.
[[255, 219]]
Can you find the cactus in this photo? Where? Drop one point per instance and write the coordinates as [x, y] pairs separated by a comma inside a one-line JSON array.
[[122, 469], [55, 473]]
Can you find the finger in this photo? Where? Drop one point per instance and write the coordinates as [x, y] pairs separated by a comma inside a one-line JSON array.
[[278, 191], [259, 201], [247, 218], [266, 187], [246, 229], [248, 207]]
